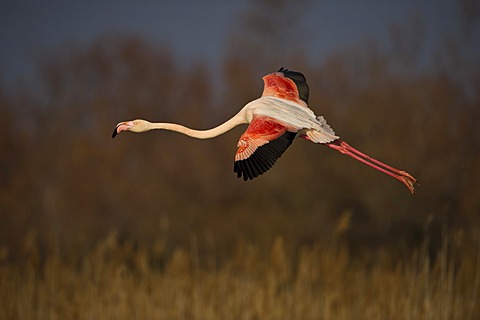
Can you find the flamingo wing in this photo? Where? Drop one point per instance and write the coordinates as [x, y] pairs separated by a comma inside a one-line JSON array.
[[260, 146], [300, 81], [286, 84]]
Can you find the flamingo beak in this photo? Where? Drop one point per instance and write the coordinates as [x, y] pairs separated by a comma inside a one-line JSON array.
[[122, 126]]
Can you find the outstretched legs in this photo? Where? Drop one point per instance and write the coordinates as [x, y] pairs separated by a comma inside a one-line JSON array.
[[400, 175]]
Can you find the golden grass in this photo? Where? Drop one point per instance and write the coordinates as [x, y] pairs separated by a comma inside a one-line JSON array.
[[121, 281]]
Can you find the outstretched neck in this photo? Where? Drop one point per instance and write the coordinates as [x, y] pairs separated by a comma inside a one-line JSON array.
[[236, 120]]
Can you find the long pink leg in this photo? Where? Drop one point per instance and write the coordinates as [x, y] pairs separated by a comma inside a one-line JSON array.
[[401, 175]]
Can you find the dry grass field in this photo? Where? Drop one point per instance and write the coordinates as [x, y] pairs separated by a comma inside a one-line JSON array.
[[121, 281]]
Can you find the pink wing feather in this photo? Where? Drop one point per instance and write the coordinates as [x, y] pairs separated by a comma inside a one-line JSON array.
[[260, 146]]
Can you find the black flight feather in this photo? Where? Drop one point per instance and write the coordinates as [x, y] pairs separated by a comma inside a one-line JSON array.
[[300, 81], [263, 158]]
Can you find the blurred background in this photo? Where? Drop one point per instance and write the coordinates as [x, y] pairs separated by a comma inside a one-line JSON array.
[[399, 80]]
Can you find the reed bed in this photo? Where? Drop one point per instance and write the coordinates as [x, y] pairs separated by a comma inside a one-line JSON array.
[[118, 280]]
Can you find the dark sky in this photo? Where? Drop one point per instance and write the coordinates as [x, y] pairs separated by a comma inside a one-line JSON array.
[[195, 29]]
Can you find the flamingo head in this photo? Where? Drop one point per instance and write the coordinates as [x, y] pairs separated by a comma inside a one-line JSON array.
[[137, 125]]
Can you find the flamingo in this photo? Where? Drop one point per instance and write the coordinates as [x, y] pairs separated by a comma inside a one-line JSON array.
[[275, 119]]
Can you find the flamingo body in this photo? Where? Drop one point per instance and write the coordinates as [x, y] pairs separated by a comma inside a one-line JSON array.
[[274, 119]]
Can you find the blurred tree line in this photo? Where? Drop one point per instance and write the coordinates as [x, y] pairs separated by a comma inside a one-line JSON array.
[[66, 181]]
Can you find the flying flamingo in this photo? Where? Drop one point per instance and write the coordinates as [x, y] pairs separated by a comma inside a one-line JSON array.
[[275, 119]]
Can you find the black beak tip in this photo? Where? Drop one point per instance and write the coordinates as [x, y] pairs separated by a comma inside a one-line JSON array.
[[114, 134]]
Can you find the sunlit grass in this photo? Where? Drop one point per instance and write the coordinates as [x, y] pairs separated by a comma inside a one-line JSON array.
[[121, 281]]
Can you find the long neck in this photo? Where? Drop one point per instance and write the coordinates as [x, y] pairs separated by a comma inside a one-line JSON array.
[[236, 120]]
